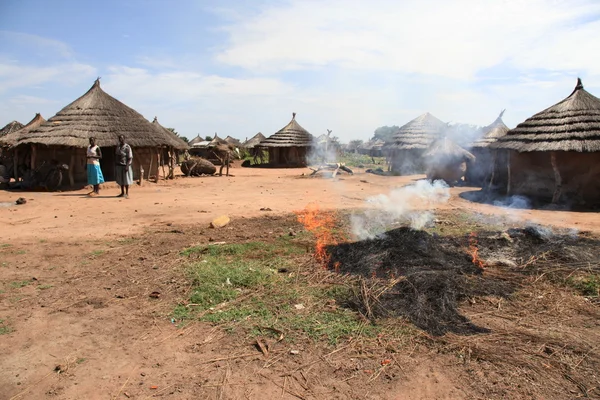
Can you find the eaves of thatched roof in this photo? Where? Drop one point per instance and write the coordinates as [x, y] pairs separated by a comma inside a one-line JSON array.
[[11, 127], [491, 133], [291, 135], [195, 140], [217, 141], [445, 149], [418, 133], [175, 141], [233, 141], [11, 139], [96, 114], [570, 125], [254, 140]]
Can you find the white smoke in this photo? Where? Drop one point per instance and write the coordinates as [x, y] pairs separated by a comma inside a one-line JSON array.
[[410, 204]]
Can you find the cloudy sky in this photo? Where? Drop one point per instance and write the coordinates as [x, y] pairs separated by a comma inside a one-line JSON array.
[[238, 67]]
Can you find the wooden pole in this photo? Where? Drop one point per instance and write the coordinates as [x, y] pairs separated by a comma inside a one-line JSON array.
[[508, 170], [157, 163], [33, 154], [16, 164], [162, 163], [557, 179], [494, 156], [150, 168], [227, 161], [71, 167]]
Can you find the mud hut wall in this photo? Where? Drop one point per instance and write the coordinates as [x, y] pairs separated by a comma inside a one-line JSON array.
[[407, 161], [288, 156], [480, 170], [63, 155], [450, 171], [146, 157], [531, 175]]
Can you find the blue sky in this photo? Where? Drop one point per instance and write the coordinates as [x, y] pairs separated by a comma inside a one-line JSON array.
[[240, 67]]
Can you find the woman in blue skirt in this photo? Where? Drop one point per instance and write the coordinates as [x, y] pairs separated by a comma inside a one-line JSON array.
[[94, 173]]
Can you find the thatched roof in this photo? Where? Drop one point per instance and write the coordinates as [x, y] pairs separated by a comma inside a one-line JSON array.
[[254, 140], [11, 127], [491, 133], [418, 133], [291, 135], [11, 139], [445, 150], [96, 114], [176, 141], [217, 141], [571, 125], [233, 141], [195, 140]]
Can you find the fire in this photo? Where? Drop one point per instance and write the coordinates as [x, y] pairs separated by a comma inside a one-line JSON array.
[[320, 225], [474, 250]]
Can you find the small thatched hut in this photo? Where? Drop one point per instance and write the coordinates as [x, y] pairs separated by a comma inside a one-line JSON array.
[[16, 161], [480, 171], [195, 140], [65, 136], [446, 160], [289, 147], [233, 141], [253, 141], [11, 127], [555, 154], [410, 142]]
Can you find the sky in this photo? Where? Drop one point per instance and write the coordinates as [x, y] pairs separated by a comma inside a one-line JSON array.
[[238, 67]]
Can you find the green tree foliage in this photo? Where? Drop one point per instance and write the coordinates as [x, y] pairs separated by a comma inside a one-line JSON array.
[[385, 133], [354, 145], [208, 138]]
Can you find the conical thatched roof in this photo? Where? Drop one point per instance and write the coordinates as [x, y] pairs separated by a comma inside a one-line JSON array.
[[233, 141], [175, 140], [491, 133], [571, 125], [195, 140], [217, 141], [11, 127], [254, 140], [13, 138], [418, 133], [96, 114], [445, 150], [291, 135]]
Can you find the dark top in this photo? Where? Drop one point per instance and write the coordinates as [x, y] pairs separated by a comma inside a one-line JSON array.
[[124, 155]]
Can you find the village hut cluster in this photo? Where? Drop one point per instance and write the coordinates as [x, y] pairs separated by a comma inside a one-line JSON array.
[[553, 155]]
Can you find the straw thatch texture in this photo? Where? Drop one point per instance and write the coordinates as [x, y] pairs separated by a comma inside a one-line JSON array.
[[418, 133], [254, 140], [571, 125], [233, 141], [446, 149], [11, 127], [491, 133], [195, 140], [96, 114], [13, 138], [174, 141], [291, 135]]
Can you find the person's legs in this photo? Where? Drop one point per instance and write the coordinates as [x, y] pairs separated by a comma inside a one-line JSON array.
[[126, 190]]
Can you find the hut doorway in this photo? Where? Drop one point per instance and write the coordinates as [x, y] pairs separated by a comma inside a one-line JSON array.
[[108, 163]]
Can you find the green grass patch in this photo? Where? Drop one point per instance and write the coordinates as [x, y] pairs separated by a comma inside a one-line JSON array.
[[22, 252], [44, 287], [588, 285], [241, 286], [19, 284], [4, 329], [5, 245], [96, 253], [362, 160]]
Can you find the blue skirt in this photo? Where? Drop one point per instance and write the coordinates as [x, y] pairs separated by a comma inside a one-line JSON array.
[[94, 174]]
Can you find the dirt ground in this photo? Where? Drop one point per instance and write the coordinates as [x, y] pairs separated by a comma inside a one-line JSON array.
[[76, 274]]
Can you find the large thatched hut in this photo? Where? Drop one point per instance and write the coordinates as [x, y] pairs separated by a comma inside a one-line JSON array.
[[410, 142], [555, 154], [480, 171], [446, 160], [65, 136], [289, 147]]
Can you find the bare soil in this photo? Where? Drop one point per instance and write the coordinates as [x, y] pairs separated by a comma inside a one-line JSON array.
[[77, 274]]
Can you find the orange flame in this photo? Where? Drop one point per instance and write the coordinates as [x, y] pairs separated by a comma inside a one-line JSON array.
[[320, 225], [474, 250]]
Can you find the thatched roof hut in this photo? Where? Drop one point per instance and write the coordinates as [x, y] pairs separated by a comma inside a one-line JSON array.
[[254, 140], [195, 140], [11, 139], [10, 128], [176, 142], [411, 140], [480, 171], [446, 160], [289, 146], [65, 136], [233, 141], [556, 152]]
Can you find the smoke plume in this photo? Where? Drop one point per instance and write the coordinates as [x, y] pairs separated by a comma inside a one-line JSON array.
[[410, 204]]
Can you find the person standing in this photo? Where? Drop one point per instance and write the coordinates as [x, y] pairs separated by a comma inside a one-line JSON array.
[[94, 173], [124, 159]]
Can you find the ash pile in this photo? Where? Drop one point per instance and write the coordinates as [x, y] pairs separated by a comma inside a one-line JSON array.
[[425, 277]]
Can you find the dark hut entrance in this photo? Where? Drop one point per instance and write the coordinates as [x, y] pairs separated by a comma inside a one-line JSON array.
[[108, 163]]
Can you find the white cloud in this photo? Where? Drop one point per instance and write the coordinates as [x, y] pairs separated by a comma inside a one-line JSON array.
[[15, 75], [454, 39]]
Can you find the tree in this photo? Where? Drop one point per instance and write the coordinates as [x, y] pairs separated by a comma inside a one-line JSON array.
[[174, 132], [208, 138], [385, 133], [185, 139], [354, 145]]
